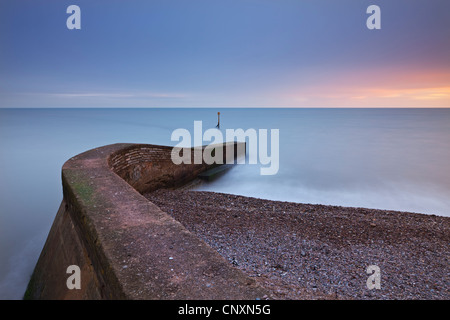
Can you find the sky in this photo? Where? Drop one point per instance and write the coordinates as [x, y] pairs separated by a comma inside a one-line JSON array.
[[217, 53]]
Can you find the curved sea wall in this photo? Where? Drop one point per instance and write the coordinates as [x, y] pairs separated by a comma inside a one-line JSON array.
[[124, 245]]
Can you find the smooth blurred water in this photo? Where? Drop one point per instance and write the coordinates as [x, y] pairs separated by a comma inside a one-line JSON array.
[[395, 159]]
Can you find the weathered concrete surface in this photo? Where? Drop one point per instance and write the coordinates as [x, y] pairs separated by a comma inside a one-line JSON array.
[[126, 247], [63, 248]]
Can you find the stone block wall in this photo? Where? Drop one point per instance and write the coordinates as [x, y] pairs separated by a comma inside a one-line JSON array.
[[125, 246]]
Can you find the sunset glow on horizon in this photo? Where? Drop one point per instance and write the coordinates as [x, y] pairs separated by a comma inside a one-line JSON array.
[[377, 89], [253, 53]]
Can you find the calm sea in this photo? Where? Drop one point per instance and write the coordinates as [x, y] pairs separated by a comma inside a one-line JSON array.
[[396, 159]]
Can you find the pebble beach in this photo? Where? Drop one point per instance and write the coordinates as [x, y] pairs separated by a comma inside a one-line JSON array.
[[308, 251]]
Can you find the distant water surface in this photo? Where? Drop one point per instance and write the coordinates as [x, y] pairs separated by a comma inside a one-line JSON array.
[[397, 159]]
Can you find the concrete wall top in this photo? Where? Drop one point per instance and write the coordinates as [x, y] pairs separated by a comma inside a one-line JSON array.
[[140, 251]]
